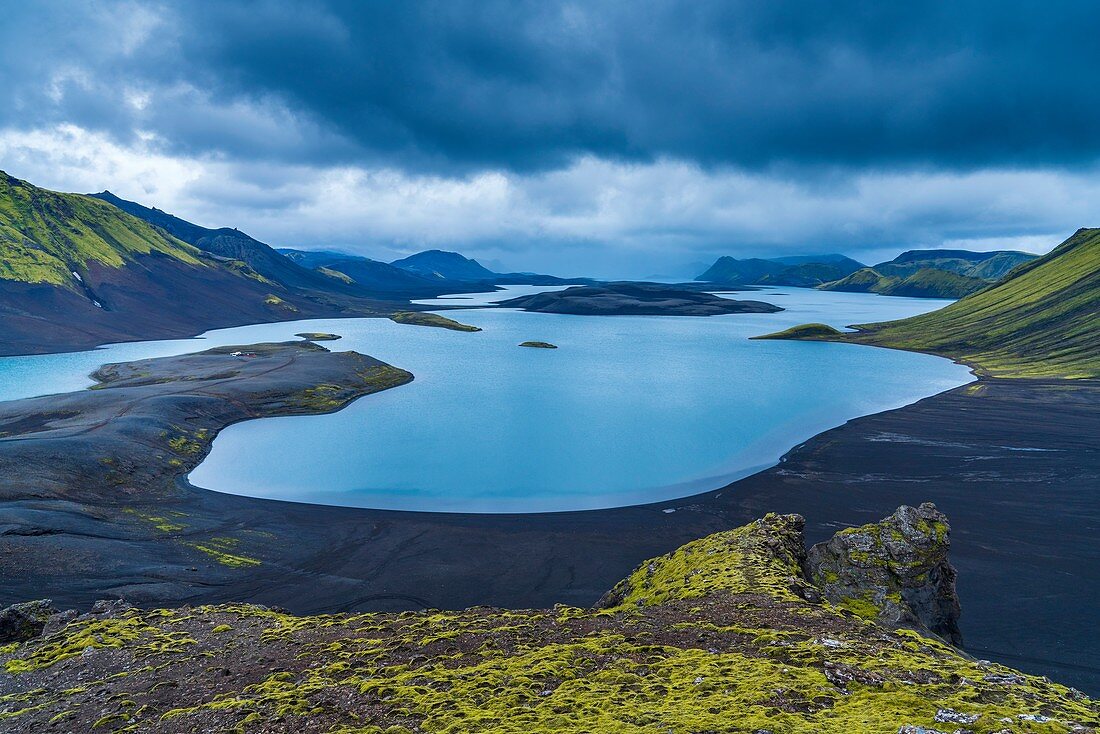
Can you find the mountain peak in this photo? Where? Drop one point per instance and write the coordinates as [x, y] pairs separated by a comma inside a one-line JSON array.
[[444, 264]]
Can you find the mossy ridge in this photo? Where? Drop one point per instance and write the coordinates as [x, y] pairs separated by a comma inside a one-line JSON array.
[[45, 236], [1042, 320], [420, 318], [136, 631], [761, 558], [926, 282], [748, 655]]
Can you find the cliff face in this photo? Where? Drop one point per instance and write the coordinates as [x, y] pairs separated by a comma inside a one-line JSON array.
[[894, 572], [727, 633]]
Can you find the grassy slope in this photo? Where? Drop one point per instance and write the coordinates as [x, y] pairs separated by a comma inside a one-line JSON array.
[[867, 280], [924, 283], [717, 636], [932, 283], [45, 235], [1043, 320]]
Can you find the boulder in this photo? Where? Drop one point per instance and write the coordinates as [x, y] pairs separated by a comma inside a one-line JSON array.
[[894, 572], [22, 622]]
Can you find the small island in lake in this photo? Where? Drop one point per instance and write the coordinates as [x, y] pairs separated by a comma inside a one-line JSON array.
[[803, 331], [635, 299], [430, 319], [318, 336], [539, 345]]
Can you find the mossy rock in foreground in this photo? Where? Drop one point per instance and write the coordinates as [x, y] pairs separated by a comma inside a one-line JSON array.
[[539, 345], [803, 331], [727, 634], [417, 318]]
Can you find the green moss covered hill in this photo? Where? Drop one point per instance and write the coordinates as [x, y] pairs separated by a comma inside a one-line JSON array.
[[923, 283], [47, 236], [730, 633], [77, 271], [1042, 320]]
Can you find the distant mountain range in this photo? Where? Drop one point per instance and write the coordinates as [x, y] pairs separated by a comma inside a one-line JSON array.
[[802, 270], [932, 273], [446, 265], [370, 274], [79, 270], [915, 273], [436, 270]]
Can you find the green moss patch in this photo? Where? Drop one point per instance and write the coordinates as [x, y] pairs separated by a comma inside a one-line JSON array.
[[46, 237], [318, 336], [718, 636]]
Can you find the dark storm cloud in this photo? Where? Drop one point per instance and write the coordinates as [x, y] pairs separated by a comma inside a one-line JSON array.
[[455, 85]]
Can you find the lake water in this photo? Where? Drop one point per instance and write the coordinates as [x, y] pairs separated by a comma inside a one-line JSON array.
[[627, 410]]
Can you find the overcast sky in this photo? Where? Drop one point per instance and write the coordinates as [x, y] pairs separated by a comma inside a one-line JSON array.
[[606, 138]]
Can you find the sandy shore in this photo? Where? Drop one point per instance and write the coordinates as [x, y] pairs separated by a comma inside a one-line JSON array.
[[92, 505]]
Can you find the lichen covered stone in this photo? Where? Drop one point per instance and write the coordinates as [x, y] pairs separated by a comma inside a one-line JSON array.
[[894, 572], [21, 622]]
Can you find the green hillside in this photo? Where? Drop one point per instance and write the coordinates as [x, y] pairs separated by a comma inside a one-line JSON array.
[[923, 283], [1043, 320], [45, 236], [933, 283], [866, 280]]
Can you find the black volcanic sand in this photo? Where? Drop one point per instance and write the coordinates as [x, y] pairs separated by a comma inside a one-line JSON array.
[[94, 505], [636, 299]]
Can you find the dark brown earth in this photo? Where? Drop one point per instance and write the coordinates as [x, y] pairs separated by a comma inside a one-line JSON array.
[[144, 301], [92, 508]]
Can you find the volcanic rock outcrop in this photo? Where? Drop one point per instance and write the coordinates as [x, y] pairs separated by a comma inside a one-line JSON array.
[[894, 571]]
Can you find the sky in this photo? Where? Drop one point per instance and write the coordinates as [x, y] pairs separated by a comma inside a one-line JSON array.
[[633, 138]]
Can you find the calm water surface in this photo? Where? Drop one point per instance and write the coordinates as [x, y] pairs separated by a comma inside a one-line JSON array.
[[627, 410]]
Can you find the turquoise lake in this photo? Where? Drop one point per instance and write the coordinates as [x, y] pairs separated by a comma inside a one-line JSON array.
[[627, 410]]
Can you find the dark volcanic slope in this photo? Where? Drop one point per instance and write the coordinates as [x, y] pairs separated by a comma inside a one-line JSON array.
[[92, 508], [635, 299], [76, 272], [234, 244], [444, 265], [378, 277]]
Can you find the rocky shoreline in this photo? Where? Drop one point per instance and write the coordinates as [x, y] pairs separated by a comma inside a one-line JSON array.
[[85, 517]]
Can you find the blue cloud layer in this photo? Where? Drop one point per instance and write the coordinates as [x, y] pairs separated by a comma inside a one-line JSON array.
[[472, 85]]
